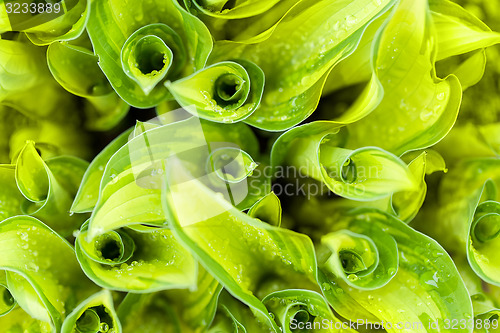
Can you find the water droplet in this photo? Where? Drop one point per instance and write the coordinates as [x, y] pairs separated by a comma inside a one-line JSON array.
[[114, 179], [419, 250], [437, 253], [430, 279], [402, 104], [350, 20], [23, 236], [426, 114], [352, 277], [31, 266], [104, 327]]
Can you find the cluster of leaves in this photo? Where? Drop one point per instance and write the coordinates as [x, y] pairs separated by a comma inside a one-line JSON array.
[[177, 224]]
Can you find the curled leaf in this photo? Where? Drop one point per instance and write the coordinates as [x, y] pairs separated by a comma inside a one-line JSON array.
[[7, 301], [132, 260], [367, 173], [43, 275], [426, 288], [364, 260], [255, 259], [268, 209], [484, 233], [218, 154], [226, 9], [296, 62], [48, 187], [62, 21], [230, 165], [303, 310], [152, 42], [95, 314], [470, 203], [147, 55], [224, 92], [406, 204]]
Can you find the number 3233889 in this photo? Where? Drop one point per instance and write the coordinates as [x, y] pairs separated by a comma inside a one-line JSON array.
[[33, 8]]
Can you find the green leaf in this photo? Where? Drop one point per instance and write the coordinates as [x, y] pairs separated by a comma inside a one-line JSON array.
[[43, 275], [31, 174], [406, 205], [303, 310], [75, 69], [459, 30], [471, 71], [235, 317], [146, 57], [248, 257], [48, 187], [482, 247], [469, 203], [365, 258], [426, 289], [252, 29], [474, 142], [88, 192], [65, 27], [10, 197], [138, 261], [180, 310], [422, 107], [147, 40], [19, 321], [224, 92], [130, 189], [225, 9], [95, 314], [268, 209], [356, 68], [296, 62], [7, 302], [317, 150], [21, 67]]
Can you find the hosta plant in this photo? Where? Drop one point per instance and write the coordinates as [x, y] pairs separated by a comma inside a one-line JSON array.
[[249, 166]]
